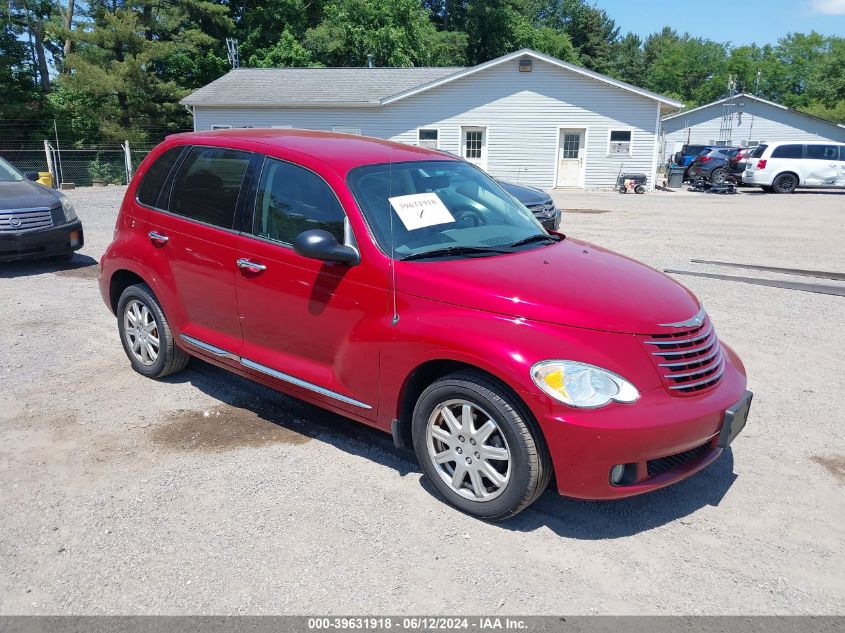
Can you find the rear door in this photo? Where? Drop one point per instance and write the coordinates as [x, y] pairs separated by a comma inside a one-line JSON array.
[[307, 325], [195, 249], [821, 165]]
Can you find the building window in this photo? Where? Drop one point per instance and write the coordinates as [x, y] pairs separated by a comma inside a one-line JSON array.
[[347, 130], [620, 142], [474, 139], [571, 145], [752, 143], [427, 138], [221, 127]]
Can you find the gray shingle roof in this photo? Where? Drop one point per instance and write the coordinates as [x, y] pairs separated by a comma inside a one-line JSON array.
[[311, 86]]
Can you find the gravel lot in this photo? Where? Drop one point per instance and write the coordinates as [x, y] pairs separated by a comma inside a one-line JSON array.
[[207, 494]]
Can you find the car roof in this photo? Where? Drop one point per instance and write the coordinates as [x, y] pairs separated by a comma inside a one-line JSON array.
[[341, 152]]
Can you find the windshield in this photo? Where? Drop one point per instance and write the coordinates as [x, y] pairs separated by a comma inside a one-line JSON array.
[[448, 207], [9, 173]]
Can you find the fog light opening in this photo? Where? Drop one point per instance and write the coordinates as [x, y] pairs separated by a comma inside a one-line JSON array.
[[75, 238], [623, 474]]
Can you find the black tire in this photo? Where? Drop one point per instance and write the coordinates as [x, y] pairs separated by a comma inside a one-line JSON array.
[[785, 183], [530, 464], [170, 359], [639, 189], [717, 176], [623, 190]]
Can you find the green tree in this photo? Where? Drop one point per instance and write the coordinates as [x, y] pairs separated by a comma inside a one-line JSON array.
[[628, 60], [495, 28], [287, 51], [394, 32]]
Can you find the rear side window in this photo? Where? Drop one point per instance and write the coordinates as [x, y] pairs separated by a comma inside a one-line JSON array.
[[758, 151], [208, 184], [788, 151], [151, 187], [291, 200], [823, 152]]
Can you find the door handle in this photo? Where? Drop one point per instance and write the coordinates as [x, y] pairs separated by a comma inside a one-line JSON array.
[[252, 267], [158, 237]]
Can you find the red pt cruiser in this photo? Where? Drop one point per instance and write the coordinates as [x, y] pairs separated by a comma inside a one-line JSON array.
[[405, 289]]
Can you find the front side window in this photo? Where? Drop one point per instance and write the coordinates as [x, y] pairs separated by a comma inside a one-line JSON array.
[[620, 142], [150, 190], [788, 151], [446, 207], [823, 152], [208, 184], [291, 200]]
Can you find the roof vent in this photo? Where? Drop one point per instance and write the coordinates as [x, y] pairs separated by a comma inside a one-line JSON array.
[[525, 65], [369, 61]]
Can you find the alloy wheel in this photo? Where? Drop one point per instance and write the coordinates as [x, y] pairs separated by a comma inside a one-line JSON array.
[[141, 331], [468, 450]]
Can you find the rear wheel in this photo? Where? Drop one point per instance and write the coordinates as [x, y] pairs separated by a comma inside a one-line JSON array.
[[479, 446], [785, 183], [145, 334], [718, 176]]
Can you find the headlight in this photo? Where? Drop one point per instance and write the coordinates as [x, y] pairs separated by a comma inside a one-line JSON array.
[[69, 211], [581, 385]]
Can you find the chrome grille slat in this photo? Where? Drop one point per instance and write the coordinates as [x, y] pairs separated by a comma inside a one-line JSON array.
[[691, 369], [711, 379], [27, 219], [681, 341], [698, 359], [698, 371]]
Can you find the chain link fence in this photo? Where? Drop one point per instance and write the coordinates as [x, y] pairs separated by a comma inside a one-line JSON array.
[[80, 166]]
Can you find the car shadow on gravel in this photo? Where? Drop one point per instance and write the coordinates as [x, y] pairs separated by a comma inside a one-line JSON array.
[[78, 266], [588, 520], [296, 416], [594, 520]]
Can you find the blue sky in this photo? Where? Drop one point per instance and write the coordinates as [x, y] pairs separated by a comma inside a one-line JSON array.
[[737, 21]]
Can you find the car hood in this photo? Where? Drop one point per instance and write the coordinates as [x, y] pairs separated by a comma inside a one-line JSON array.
[[526, 195], [24, 194], [568, 283]]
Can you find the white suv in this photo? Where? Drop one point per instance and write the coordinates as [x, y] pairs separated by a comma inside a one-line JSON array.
[[782, 167]]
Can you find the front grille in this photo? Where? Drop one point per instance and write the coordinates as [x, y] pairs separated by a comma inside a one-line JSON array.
[[25, 219], [689, 361], [544, 208], [671, 462]]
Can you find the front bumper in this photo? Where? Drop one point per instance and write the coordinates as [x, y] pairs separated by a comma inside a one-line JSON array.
[[55, 240], [666, 438]]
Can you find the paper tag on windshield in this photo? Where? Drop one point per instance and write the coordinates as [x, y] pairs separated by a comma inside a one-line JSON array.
[[420, 210]]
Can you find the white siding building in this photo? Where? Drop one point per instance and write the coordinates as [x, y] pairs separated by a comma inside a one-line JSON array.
[[751, 120], [525, 117]]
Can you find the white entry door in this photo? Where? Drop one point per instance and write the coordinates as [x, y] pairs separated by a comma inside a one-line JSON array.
[[570, 160], [474, 145]]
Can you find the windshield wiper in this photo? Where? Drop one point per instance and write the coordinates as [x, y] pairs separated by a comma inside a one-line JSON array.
[[454, 250], [535, 238]]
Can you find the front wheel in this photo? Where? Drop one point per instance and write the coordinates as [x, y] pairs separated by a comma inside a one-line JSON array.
[[718, 176], [479, 446], [785, 183], [146, 335]]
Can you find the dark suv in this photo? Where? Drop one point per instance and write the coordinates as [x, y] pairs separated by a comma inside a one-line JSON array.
[[35, 221], [716, 165]]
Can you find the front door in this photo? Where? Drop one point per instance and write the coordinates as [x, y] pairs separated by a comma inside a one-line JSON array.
[[307, 325], [193, 249], [570, 158], [474, 145]]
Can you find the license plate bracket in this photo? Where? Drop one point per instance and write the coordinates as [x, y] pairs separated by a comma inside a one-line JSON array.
[[735, 418]]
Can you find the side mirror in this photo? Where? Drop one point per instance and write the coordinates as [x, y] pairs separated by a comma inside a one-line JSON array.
[[322, 245], [31, 175]]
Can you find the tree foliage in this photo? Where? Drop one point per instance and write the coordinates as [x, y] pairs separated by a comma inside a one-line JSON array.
[[115, 69]]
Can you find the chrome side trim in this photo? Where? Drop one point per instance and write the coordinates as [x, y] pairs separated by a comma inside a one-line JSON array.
[[694, 321], [216, 351], [222, 353], [302, 383], [681, 341]]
